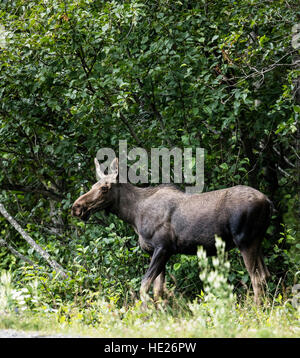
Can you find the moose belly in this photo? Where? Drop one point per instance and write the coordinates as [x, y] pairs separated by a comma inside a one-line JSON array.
[[191, 234], [189, 245]]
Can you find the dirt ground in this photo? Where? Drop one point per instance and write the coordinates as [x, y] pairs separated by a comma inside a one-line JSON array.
[[11, 333]]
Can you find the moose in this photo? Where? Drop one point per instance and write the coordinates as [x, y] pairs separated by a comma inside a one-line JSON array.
[[169, 221]]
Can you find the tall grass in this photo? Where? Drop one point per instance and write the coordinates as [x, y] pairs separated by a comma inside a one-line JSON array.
[[215, 313]]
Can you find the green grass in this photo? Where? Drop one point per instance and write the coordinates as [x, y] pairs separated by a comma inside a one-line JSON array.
[[217, 312], [171, 320]]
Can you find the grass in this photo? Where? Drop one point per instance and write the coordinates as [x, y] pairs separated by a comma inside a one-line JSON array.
[[176, 319], [215, 313]]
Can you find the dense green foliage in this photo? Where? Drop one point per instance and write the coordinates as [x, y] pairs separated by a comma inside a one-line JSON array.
[[79, 75]]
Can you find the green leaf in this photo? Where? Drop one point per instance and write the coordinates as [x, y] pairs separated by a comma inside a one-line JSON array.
[[177, 266], [224, 166]]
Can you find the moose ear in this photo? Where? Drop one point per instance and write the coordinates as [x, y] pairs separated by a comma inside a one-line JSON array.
[[99, 173], [114, 167]]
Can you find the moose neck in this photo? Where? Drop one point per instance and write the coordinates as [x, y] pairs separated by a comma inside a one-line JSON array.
[[126, 200]]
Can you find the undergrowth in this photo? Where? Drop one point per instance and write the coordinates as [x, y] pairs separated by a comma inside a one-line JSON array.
[[216, 312]]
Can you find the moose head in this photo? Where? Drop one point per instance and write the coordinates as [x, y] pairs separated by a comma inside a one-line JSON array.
[[101, 194]]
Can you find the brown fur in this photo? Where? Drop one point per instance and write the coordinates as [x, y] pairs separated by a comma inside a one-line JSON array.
[[169, 221]]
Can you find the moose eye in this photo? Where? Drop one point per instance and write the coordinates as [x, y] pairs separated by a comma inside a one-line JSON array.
[[104, 189]]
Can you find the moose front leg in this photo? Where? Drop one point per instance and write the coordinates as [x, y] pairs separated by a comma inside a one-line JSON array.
[[157, 265]]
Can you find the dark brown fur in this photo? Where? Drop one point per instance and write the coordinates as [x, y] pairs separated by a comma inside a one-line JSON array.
[[169, 221]]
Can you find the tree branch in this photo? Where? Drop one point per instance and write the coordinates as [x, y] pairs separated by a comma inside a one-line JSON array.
[[15, 252], [32, 243], [28, 189]]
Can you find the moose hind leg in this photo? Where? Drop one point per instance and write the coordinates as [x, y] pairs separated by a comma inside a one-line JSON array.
[[265, 273], [253, 264], [248, 230]]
